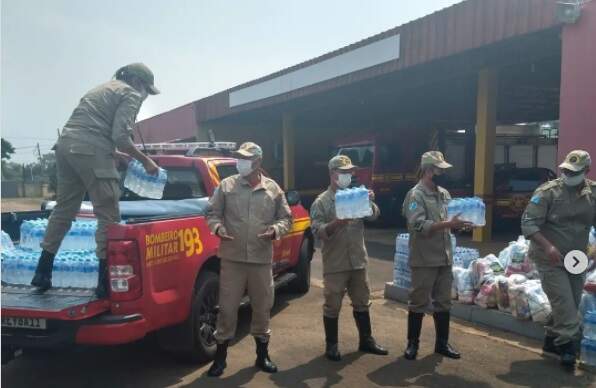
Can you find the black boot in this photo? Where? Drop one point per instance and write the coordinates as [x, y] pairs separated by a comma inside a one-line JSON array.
[[367, 342], [568, 355], [219, 362], [43, 273], [549, 345], [414, 328], [263, 361], [102, 280], [442, 330], [331, 328]]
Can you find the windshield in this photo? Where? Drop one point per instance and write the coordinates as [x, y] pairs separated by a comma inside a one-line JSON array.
[[183, 183], [361, 156]]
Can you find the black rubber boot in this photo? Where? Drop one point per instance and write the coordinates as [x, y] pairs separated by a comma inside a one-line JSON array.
[[331, 329], [549, 345], [442, 341], [43, 273], [263, 361], [568, 354], [219, 362], [367, 342], [414, 328], [102, 280]]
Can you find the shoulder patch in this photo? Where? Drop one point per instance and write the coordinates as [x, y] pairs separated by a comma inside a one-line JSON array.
[[535, 200], [413, 206]]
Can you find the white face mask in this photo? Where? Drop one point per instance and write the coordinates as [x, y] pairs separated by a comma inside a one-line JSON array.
[[244, 167], [573, 180], [344, 180]]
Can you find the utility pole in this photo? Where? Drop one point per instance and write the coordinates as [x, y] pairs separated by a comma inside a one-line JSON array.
[[39, 154]]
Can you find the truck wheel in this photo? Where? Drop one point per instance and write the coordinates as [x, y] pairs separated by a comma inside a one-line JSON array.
[[204, 316], [192, 340], [301, 284]]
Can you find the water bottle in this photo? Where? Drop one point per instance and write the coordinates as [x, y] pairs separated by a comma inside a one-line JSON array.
[[7, 267], [588, 352]]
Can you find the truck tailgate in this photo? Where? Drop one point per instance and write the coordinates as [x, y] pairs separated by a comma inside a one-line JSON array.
[[65, 304]]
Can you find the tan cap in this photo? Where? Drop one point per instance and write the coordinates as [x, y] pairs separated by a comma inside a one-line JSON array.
[[576, 160], [249, 150], [434, 158], [341, 162]]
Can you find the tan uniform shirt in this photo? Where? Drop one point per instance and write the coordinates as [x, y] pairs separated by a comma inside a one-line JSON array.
[[422, 208], [344, 250], [563, 215], [105, 116], [245, 212]]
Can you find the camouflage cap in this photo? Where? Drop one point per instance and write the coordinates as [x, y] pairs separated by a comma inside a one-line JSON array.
[[341, 162], [142, 71], [576, 160], [434, 158], [249, 150]]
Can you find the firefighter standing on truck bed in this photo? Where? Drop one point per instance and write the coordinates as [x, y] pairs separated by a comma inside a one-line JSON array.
[[345, 261], [431, 256], [247, 212], [557, 221], [86, 162]]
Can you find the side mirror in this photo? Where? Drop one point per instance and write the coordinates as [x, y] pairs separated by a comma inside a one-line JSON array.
[[293, 198]]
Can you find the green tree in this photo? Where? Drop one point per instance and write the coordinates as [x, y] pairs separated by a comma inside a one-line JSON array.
[[7, 149]]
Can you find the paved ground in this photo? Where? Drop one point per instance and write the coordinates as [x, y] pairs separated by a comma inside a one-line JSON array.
[[20, 204], [490, 359]]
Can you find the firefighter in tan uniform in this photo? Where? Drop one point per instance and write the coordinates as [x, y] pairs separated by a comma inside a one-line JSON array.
[[86, 152], [248, 211], [431, 256], [558, 220], [344, 261]]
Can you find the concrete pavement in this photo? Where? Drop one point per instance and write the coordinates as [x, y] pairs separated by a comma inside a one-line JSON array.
[[490, 359]]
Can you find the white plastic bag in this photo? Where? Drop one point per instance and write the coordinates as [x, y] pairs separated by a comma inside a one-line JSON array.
[[518, 300], [487, 296], [538, 301], [465, 287]]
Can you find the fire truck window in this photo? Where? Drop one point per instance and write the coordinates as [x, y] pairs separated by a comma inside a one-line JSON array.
[[226, 170], [361, 156], [183, 183]]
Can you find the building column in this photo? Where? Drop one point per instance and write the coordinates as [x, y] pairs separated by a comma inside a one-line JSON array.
[[486, 128], [578, 86], [288, 140]]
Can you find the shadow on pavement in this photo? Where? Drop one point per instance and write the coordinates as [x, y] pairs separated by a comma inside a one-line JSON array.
[[317, 368], [523, 373], [422, 372]]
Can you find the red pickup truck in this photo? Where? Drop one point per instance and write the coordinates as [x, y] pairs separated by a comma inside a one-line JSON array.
[[163, 275]]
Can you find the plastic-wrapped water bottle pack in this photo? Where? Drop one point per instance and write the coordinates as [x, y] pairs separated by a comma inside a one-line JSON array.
[[462, 257], [73, 268], [469, 209], [75, 265], [149, 186], [80, 236], [352, 203]]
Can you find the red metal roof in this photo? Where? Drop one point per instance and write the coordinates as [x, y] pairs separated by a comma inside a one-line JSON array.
[[461, 27]]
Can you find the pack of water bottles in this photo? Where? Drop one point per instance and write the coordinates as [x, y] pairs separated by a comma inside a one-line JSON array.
[[352, 203], [588, 345], [72, 268], [75, 265], [402, 277], [80, 236], [148, 186], [469, 209], [462, 257]]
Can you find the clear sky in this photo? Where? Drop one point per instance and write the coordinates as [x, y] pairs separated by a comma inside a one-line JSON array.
[[53, 51]]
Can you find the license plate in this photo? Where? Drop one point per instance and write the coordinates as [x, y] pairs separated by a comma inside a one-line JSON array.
[[24, 323]]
